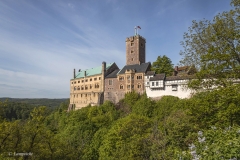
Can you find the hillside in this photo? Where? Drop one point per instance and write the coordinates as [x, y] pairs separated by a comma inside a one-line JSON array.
[[37, 101], [206, 126]]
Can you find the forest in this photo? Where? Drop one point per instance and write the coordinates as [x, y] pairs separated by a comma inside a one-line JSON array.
[[206, 126]]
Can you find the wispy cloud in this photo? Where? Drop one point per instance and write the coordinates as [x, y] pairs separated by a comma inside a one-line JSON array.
[[42, 41]]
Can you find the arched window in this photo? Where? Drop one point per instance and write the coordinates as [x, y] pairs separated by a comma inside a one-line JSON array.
[[121, 86], [139, 85], [78, 88], [82, 88], [97, 85], [86, 87], [75, 88]]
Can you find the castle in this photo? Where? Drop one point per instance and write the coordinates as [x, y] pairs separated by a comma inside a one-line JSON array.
[[108, 82]]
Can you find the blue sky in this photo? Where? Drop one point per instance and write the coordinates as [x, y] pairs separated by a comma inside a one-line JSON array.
[[41, 41]]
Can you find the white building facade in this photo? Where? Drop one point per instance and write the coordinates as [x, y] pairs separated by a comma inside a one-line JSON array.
[[158, 85]]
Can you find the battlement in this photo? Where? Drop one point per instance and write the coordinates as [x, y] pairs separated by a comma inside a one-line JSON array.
[[132, 38]]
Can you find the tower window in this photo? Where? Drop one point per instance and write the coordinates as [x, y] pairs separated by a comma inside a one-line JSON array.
[[132, 44], [132, 51], [132, 59]]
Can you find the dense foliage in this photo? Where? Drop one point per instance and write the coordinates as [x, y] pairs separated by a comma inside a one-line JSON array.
[[163, 65], [135, 128], [51, 103], [214, 48]]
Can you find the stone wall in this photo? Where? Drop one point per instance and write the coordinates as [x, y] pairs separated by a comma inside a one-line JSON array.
[[135, 50], [85, 91]]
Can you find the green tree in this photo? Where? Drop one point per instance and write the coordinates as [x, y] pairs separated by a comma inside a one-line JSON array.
[[214, 48], [126, 139], [163, 65], [216, 143]]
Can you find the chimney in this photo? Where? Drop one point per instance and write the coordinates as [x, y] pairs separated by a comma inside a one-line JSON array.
[[74, 73], [103, 68], [79, 70], [103, 76], [85, 73], [175, 72]]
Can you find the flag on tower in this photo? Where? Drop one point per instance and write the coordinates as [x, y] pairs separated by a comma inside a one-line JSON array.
[[139, 27]]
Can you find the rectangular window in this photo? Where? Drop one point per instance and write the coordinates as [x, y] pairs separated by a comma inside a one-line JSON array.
[[90, 79], [82, 81], [95, 79], [121, 78], [86, 80], [99, 78], [152, 83], [174, 87], [156, 83], [110, 82]]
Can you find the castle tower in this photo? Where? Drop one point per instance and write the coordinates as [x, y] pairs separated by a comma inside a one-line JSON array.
[[135, 50]]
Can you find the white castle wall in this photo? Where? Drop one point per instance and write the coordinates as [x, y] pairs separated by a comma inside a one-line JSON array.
[[173, 88]]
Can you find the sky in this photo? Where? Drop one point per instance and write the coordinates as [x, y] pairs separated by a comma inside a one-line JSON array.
[[42, 41]]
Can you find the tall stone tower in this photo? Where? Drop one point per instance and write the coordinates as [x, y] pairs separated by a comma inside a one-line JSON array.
[[135, 50]]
